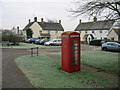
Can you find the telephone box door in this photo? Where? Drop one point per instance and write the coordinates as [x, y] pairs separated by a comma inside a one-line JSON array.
[[70, 51]]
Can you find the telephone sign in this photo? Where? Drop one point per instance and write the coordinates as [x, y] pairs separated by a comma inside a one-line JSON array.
[[70, 51]]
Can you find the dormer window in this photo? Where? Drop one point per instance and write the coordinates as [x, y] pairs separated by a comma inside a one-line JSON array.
[[56, 31], [100, 31]]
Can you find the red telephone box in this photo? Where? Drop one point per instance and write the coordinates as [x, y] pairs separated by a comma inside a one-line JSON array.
[[70, 51]]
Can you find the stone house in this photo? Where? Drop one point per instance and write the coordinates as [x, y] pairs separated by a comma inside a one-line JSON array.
[[94, 30], [44, 30], [114, 34]]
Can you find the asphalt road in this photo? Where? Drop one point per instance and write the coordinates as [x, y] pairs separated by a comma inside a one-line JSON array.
[[12, 77]]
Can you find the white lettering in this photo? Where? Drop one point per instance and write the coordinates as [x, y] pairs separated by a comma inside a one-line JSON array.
[[74, 36]]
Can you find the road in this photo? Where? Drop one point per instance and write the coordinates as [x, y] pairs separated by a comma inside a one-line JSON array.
[[12, 77]]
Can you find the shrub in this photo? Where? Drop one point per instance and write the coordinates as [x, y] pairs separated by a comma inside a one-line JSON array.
[[95, 42], [12, 38]]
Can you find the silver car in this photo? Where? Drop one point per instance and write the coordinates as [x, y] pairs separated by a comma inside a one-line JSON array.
[[113, 46]]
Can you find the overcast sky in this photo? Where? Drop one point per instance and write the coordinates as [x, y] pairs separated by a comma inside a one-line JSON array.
[[15, 13]]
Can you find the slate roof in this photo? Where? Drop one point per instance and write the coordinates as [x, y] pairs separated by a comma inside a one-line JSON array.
[[51, 26], [28, 25], [98, 25], [47, 26], [117, 31]]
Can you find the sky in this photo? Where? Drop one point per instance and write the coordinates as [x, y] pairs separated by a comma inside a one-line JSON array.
[[15, 13]]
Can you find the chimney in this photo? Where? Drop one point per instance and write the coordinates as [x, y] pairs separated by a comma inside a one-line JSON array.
[[41, 19], [80, 21], [18, 30], [95, 19], [35, 19], [60, 21], [29, 20]]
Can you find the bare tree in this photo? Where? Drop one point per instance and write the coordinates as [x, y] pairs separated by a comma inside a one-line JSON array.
[[110, 9], [52, 21]]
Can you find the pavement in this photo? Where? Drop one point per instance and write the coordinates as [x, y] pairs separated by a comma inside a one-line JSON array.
[[0, 68], [12, 76]]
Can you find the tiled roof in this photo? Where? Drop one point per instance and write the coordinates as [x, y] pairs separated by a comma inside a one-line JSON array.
[[98, 25], [28, 25], [47, 26], [51, 26]]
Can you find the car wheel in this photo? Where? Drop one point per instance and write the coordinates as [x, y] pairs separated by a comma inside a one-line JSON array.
[[104, 48], [50, 44]]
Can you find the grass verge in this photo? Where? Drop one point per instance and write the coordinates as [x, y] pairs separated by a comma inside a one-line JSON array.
[[103, 60], [45, 72], [29, 45]]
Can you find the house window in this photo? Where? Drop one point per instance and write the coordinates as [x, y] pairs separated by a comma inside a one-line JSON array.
[[48, 31], [85, 31], [40, 31], [112, 38], [93, 32], [100, 31], [56, 31], [105, 38]]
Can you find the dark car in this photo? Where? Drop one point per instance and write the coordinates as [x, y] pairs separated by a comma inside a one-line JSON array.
[[28, 40], [42, 41], [31, 40], [112, 46], [37, 41]]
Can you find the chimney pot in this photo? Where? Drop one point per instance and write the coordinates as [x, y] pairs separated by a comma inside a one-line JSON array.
[[60, 21], [80, 21], [41, 19], [95, 19], [18, 29], [29, 20], [35, 19]]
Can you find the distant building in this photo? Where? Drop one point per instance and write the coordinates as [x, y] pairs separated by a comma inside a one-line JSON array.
[[15, 30], [94, 30], [114, 34], [43, 29]]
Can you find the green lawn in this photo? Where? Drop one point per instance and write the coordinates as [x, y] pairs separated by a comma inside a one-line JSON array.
[[29, 45], [45, 72], [103, 60]]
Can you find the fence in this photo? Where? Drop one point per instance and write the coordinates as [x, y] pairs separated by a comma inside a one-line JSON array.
[[32, 51]]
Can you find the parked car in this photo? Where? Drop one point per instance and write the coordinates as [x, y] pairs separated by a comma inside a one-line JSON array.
[[53, 42], [37, 41], [28, 40], [42, 41], [113, 46], [31, 40]]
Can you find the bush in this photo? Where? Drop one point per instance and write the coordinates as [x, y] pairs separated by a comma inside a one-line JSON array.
[[12, 38], [95, 42]]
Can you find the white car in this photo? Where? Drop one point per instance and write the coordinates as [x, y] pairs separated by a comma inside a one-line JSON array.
[[53, 42]]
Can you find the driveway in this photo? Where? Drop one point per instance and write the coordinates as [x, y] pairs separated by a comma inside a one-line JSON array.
[[12, 77]]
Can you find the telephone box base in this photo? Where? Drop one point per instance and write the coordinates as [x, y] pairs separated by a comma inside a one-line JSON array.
[[71, 70]]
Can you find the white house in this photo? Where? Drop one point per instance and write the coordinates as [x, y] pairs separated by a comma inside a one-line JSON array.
[[94, 30], [15, 30], [114, 33]]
